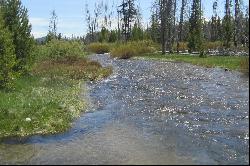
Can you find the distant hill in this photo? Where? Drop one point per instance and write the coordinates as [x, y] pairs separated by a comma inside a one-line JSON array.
[[41, 40]]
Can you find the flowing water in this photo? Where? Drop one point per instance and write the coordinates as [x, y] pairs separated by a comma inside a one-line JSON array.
[[150, 112]]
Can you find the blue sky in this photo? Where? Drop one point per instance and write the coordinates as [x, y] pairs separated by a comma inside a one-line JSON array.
[[71, 14]]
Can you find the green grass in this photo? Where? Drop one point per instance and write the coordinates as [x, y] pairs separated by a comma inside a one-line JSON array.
[[227, 62], [52, 97], [47, 102]]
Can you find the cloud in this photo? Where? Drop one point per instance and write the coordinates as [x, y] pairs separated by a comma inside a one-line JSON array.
[[41, 22], [38, 34]]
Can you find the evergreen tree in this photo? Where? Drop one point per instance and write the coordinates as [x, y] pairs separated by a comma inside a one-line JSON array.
[[17, 22], [104, 35], [129, 13], [237, 26], [195, 33], [180, 29], [113, 37], [227, 25], [7, 56], [155, 27], [137, 33]]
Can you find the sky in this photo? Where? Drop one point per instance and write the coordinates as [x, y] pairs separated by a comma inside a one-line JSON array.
[[71, 14]]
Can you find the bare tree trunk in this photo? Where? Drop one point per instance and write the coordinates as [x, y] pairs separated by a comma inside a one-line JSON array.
[[169, 15], [173, 27], [163, 25], [237, 23]]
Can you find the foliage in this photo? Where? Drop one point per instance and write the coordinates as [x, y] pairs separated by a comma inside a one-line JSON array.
[[51, 105], [50, 99], [183, 46], [130, 49], [104, 35], [213, 45], [137, 33], [16, 20], [113, 37], [128, 14], [76, 68], [57, 49], [7, 57], [123, 51], [99, 48], [245, 65], [195, 41]]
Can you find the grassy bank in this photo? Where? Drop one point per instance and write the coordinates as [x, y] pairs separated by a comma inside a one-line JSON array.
[[226, 62], [50, 98], [123, 50]]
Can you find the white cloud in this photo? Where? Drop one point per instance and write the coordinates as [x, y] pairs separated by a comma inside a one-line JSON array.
[[35, 21], [39, 34]]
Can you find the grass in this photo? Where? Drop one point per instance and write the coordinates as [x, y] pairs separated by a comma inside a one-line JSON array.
[[47, 101], [226, 62], [131, 49], [245, 65], [51, 104], [99, 48]]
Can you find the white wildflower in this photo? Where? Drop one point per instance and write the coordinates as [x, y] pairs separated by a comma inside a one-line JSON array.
[[28, 119]]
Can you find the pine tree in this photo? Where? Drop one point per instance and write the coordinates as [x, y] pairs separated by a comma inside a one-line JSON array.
[[237, 26], [129, 13], [7, 56], [155, 27], [180, 30], [195, 32], [113, 37], [16, 20], [227, 25], [137, 33], [104, 35]]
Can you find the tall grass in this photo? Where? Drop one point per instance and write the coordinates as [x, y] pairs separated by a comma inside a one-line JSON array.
[[57, 49], [131, 49], [245, 65], [99, 48]]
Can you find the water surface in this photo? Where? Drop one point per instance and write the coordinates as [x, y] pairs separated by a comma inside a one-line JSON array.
[[150, 112]]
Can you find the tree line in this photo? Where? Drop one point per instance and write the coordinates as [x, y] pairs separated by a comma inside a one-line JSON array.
[[171, 23]]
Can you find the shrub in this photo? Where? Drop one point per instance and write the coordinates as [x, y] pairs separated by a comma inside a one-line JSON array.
[[126, 51], [99, 48], [7, 57], [245, 65], [143, 47], [123, 52], [203, 54], [57, 49], [183, 46], [71, 68], [213, 45]]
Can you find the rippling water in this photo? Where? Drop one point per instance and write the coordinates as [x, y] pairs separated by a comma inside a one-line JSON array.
[[150, 112]]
